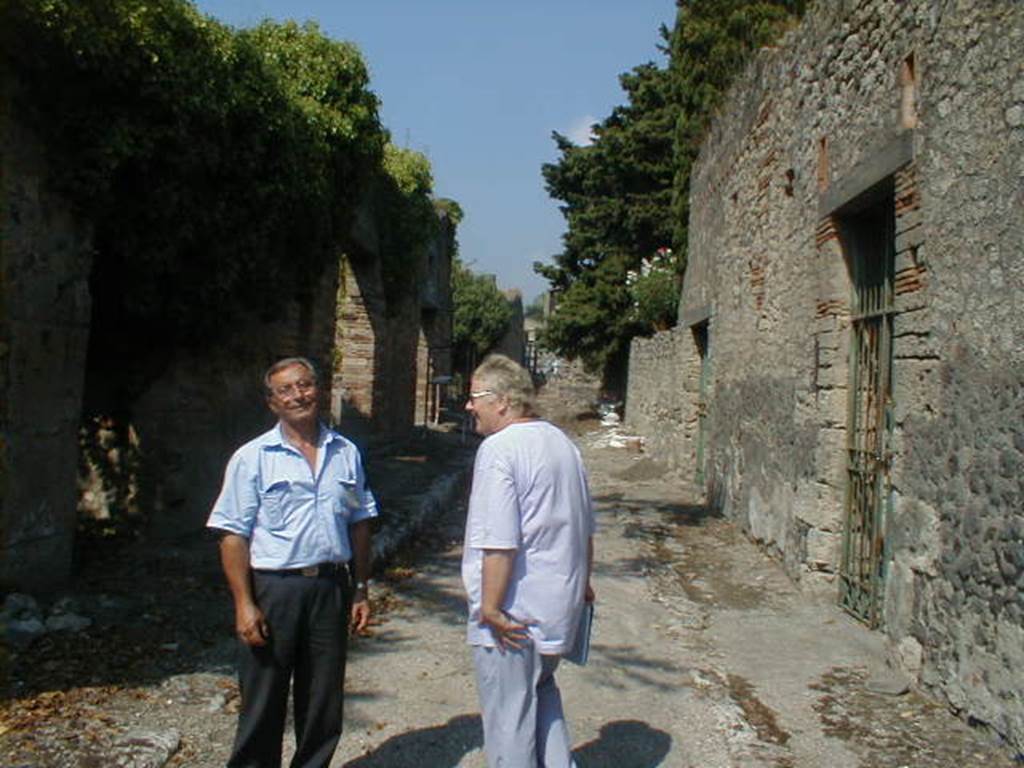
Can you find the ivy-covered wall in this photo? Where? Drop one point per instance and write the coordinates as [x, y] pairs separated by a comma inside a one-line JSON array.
[[179, 225]]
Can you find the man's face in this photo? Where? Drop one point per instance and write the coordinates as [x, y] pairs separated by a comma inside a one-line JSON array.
[[293, 396], [487, 408]]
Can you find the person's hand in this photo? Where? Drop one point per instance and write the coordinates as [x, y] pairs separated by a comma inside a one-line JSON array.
[[360, 617], [250, 625], [510, 634], [588, 596]]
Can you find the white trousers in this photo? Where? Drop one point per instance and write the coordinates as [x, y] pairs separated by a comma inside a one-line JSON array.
[[521, 707]]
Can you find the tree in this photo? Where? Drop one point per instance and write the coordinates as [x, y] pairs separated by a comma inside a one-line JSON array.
[[627, 195], [218, 169], [617, 200], [654, 290], [406, 217], [481, 312]]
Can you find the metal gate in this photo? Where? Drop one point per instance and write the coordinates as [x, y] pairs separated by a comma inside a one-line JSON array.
[[869, 237], [700, 333]]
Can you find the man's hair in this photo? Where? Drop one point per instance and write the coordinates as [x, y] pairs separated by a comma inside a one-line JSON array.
[[507, 378], [288, 362]]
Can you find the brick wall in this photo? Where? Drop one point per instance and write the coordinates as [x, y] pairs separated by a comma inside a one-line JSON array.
[[386, 347]]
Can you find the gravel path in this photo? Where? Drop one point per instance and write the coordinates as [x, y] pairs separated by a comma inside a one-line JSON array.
[[704, 655]]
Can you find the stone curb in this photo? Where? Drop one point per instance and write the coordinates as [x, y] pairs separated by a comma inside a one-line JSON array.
[[414, 512]]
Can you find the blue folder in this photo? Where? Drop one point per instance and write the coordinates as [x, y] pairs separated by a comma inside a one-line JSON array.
[[580, 651]]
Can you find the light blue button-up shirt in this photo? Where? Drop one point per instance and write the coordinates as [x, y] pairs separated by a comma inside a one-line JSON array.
[[292, 515]]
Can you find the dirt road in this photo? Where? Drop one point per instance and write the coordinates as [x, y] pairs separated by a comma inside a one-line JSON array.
[[704, 655]]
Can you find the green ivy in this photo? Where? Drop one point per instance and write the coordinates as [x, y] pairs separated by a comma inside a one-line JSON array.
[[449, 208], [218, 168], [407, 219]]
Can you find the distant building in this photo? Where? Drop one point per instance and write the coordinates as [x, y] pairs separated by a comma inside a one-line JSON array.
[[513, 343]]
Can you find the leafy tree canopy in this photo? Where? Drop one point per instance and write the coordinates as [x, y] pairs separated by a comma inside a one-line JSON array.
[[626, 195], [617, 199], [406, 216], [450, 208], [481, 312], [216, 168]]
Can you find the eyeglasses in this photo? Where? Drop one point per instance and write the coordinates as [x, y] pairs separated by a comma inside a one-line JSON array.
[[289, 390], [481, 393]]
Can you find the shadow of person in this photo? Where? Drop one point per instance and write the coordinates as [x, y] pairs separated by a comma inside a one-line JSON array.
[[624, 744], [440, 746]]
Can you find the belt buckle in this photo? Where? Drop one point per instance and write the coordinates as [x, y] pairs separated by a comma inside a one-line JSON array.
[[310, 570]]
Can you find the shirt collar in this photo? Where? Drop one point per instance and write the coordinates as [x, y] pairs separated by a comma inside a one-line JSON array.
[[275, 437]]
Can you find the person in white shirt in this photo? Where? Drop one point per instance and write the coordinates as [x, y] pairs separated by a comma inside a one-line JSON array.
[[525, 566]]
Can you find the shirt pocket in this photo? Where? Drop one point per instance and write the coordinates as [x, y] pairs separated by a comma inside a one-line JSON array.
[[346, 497], [272, 504]]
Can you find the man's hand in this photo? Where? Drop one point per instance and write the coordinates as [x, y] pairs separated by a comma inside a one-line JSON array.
[[497, 572], [588, 596], [250, 625], [360, 613], [509, 633]]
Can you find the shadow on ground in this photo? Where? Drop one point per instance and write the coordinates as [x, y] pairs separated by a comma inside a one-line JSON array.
[[439, 745], [625, 744], [160, 607], [679, 513], [621, 744]]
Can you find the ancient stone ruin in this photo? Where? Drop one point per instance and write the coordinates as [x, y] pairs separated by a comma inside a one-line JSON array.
[[163, 420], [845, 380]]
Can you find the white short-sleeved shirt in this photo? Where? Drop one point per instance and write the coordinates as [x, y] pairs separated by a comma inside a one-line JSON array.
[[530, 495]]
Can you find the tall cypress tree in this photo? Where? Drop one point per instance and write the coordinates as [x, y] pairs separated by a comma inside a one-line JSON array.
[[626, 195], [617, 195]]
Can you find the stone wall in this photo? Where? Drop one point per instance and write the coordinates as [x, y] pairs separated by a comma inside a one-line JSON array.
[[209, 400], [513, 343], [45, 259], [196, 406], [916, 109], [661, 398], [434, 349]]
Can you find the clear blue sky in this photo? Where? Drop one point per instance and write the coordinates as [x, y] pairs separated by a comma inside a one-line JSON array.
[[478, 87]]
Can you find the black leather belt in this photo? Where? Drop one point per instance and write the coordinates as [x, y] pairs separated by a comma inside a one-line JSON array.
[[309, 571]]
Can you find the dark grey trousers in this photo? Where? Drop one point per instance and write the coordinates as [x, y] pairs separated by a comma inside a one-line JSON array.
[[308, 620]]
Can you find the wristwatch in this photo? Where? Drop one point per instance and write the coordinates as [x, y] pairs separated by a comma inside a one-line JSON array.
[[360, 586]]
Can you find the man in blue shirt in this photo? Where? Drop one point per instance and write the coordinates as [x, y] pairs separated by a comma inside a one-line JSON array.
[[294, 515]]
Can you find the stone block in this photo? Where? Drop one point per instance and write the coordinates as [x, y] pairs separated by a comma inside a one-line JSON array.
[[898, 601], [831, 377], [832, 356], [819, 505], [832, 406], [823, 550], [916, 387], [908, 655]]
